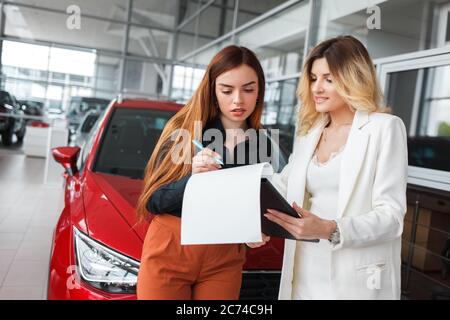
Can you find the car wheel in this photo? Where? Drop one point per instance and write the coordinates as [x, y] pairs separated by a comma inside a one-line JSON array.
[[21, 134], [7, 137]]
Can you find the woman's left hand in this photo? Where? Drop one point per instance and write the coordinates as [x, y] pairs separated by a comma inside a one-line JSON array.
[[308, 227], [254, 245]]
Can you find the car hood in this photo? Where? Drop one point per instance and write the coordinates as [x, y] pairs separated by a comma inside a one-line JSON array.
[[110, 203], [123, 193]]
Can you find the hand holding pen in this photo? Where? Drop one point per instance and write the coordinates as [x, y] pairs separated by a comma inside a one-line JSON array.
[[205, 160]]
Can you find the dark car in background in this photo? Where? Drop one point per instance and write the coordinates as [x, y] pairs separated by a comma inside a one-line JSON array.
[[11, 122], [32, 107], [79, 106]]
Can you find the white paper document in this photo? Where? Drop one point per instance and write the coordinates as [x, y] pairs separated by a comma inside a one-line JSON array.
[[223, 206]]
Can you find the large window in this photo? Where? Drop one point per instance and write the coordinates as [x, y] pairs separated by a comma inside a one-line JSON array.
[[112, 49], [416, 87], [429, 122], [50, 74], [280, 110], [185, 82]]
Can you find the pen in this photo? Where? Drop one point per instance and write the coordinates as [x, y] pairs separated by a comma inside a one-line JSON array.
[[200, 147]]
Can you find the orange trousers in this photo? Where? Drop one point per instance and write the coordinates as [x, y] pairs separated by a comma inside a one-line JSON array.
[[171, 271]]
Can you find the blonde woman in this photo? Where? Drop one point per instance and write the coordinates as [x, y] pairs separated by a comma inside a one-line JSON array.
[[347, 180]]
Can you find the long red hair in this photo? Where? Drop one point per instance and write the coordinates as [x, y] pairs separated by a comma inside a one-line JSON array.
[[161, 169]]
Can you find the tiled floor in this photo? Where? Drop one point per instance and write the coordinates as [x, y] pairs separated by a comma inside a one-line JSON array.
[[28, 213]]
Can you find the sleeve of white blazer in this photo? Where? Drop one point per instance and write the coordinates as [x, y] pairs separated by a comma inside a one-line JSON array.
[[385, 221]]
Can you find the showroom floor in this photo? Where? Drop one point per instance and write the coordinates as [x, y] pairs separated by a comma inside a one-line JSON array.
[[28, 213]]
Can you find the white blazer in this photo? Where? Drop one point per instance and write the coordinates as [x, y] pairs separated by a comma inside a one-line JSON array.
[[371, 207]]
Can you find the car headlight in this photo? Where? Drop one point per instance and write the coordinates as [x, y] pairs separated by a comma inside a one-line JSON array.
[[104, 268]]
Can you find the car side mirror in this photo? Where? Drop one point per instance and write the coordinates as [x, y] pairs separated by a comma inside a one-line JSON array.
[[67, 157]]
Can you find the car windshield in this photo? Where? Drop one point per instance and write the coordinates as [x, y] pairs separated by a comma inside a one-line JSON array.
[[128, 142]]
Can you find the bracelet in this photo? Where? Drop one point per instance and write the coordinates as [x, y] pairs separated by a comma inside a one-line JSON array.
[[335, 236]]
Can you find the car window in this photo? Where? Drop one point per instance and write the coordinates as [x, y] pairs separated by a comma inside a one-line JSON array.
[[426, 152], [86, 148], [128, 141], [89, 123]]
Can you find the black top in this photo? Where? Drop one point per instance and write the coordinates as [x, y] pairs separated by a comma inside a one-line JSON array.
[[169, 198]]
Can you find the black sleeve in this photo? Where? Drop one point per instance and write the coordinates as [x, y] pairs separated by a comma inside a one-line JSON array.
[[168, 198]]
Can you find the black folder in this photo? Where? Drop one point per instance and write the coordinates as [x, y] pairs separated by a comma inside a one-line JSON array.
[[272, 199]]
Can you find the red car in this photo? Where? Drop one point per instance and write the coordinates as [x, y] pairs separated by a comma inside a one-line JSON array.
[[97, 242]]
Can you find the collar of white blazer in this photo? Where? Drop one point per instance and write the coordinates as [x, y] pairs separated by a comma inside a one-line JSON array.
[[352, 157]]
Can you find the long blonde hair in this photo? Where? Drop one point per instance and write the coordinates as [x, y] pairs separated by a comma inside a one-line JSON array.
[[203, 107], [353, 74]]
